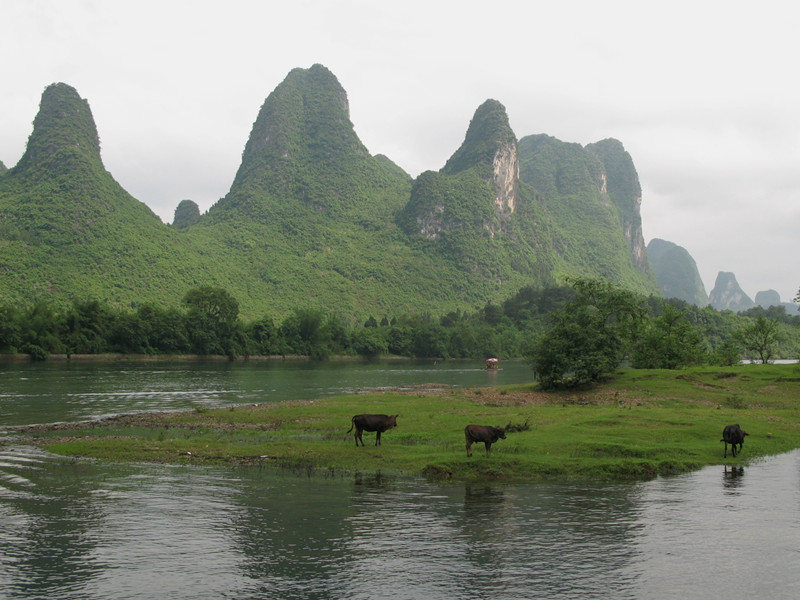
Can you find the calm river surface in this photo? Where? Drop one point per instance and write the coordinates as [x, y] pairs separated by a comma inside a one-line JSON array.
[[83, 529]]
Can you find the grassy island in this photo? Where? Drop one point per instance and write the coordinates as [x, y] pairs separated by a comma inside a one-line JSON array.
[[636, 425]]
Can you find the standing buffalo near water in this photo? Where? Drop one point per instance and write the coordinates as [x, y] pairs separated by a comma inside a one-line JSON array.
[[379, 423], [483, 433], [733, 434]]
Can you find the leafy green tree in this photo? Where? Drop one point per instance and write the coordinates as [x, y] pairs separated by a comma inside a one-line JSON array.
[[401, 340], [668, 341], [87, 324], [9, 328], [370, 342], [760, 336], [212, 321], [304, 333], [40, 329], [728, 353], [165, 330], [430, 341], [590, 335], [263, 337], [127, 335]]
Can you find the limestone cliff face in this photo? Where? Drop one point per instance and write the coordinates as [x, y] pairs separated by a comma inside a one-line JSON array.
[[592, 198], [727, 295], [505, 177], [625, 191], [489, 154]]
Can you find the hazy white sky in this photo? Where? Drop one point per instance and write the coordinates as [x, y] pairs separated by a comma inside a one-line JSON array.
[[703, 94]]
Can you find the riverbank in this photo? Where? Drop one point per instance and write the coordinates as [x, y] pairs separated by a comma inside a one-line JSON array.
[[637, 425]]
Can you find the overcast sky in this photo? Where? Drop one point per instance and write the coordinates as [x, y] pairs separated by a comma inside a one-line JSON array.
[[704, 95]]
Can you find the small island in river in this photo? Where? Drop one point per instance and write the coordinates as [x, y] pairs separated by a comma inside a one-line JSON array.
[[636, 425]]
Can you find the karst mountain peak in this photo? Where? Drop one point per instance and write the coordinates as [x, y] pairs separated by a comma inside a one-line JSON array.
[[313, 218], [64, 133]]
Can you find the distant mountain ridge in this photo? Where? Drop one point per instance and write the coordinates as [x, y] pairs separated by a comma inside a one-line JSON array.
[[312, 219], [676, 272]]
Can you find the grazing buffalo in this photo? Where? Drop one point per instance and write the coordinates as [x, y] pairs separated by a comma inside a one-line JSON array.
[[733, 434], [483, 433], [379, 423]]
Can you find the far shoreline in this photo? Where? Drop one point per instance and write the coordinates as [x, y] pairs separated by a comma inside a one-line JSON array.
[[121, 357]]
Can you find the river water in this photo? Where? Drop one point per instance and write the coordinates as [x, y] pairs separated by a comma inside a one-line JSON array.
[[84, 529]]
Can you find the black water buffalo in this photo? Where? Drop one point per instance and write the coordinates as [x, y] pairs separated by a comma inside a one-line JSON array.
[[733, 434], [379, 423], [483, 433]]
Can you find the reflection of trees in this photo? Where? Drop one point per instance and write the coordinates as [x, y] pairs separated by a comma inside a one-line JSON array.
[[251, 533], [543, 540], [48, 514], [291, 532]]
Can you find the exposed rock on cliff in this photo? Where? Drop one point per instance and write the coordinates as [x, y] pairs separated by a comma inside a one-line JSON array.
[[591, 197], [477, 188], [625, 192]]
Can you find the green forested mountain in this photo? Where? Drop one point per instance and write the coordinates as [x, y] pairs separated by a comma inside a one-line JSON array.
[[313, 220], [591, 197], [68, 230]]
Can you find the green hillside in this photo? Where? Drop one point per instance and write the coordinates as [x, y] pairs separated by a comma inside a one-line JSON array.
[[591, 196], [465, 214], [67, 229], [313, 220]]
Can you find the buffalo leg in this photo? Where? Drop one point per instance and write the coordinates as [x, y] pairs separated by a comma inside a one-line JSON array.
[[378, 438], [488, 448], [725, 455], [358, 437]]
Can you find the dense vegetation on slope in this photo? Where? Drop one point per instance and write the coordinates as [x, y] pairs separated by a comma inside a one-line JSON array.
[[312, 218], [588, 221], [68, 229], [462, 213]]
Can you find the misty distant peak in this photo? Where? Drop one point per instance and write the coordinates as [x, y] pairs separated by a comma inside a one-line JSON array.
[[676, 272], [727, 295]]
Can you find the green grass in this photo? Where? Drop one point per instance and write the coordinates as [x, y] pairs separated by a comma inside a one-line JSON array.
[[638, 425]]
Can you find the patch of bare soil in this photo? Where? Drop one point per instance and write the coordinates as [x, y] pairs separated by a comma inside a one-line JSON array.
[[592, 397]]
